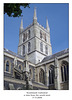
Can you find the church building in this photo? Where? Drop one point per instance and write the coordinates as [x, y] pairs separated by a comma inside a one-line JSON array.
[[34, 67]]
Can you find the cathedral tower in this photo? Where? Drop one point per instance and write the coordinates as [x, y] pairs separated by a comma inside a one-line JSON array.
[[34, 41]]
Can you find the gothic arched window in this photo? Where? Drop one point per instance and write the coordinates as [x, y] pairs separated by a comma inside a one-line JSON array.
[[51, 75], [64, 71], [41, 46], [67, 68], [23, 37], [46, 49], [28, 34], [40, 34], [7, 66], [41, 76], [23, 49], [45, 37], [30, 71], [29, 46]]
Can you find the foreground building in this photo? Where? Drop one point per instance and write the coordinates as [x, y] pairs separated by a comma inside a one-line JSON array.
[[34, 67]]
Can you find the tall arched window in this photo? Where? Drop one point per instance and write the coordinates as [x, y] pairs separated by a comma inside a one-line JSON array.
[[23, 49], [51, 75], [64, 71], [28, 34], [7, 66], [23, 37], [40, 34], [29, 46], [45, 38], [30, 72], [46, 49], [67, 68], [41, 47], [41, 76]]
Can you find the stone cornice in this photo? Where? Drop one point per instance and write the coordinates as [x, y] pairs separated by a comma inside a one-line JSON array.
[[32, 38]]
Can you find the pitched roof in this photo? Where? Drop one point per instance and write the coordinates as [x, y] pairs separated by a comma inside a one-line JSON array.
[[55, 55], [12, 53]]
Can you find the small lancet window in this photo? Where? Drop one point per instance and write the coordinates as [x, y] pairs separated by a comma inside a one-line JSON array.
[[28, 34], [23, 49], [29, 46], [46, 49], [23, 37], [7, 66], [41, 47], [40, 34]]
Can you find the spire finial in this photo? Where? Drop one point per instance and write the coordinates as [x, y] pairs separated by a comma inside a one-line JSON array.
[[21, 26], [47, 25], [35, 13], [35, 16]]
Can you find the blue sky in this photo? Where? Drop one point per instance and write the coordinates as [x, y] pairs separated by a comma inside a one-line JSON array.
[[58, 18]]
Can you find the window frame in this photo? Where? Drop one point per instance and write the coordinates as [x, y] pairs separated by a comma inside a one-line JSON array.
[[46, 49], [29, 46], [41, 46], [9, 66], [41, 76], [64, 73], [41, 34], [23, 49], [51, 75]]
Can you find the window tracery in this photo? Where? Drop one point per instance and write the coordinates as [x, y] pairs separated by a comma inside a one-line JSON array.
[[64, 71], [7, 66], [51, 75], [29, 46], [41, 76]]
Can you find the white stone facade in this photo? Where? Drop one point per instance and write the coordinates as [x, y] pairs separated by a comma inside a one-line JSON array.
[[35, 55]]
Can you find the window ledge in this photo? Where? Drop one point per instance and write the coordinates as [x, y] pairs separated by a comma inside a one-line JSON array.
[[7, 72], [65, 81]]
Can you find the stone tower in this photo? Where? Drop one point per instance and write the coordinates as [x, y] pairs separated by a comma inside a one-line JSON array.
[[34, 41]]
